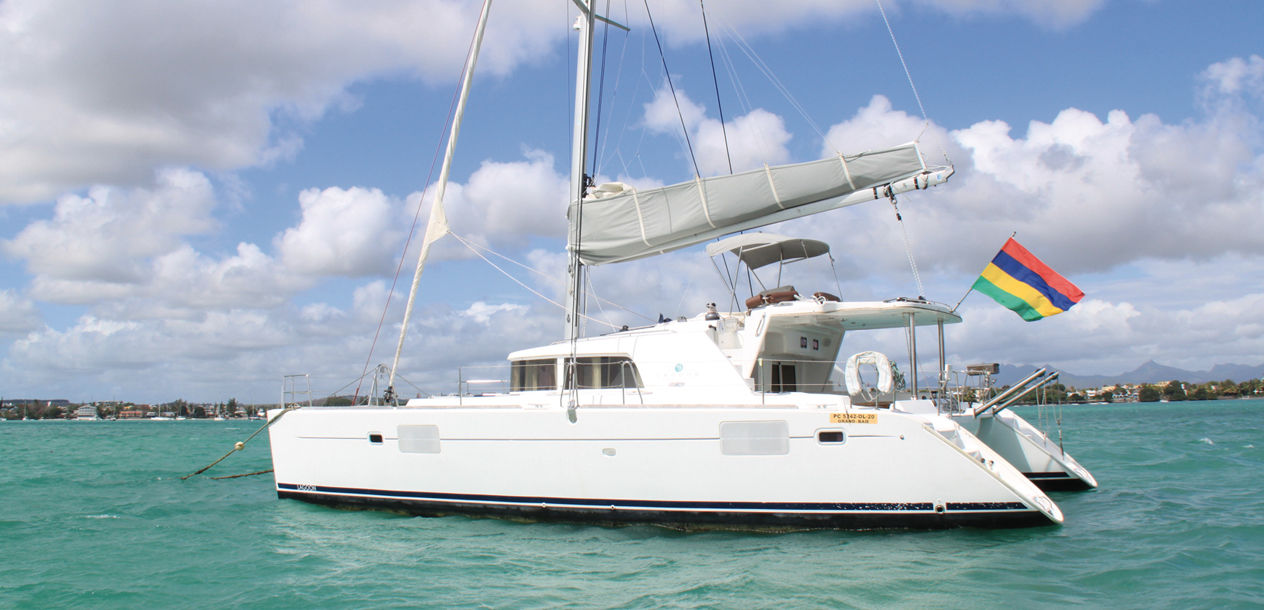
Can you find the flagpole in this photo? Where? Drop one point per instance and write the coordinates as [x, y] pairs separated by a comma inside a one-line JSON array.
[[963, 298]]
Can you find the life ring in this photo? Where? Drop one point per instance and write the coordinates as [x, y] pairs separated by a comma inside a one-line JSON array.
[[878, 360]]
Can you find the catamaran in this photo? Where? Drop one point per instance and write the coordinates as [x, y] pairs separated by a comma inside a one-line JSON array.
[[1025, 446], [716, 420]]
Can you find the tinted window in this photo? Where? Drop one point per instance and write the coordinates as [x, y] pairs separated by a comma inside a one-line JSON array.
[[533, 375], [606, 372]]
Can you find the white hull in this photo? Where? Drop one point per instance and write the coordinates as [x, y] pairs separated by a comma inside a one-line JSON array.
[[1031, 451], [666, 466]]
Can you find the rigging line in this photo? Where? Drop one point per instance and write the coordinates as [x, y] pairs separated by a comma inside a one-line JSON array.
[[616, 304], [361, 378], [622, 133], [908, 248], [663, 57], [417, 387], [543, 274], [742, 97], [772, 78], [510, 260], [907, 74], [412, 229], [601, 90], [623, 53], [716, 81], [593, 293], [518, 281]]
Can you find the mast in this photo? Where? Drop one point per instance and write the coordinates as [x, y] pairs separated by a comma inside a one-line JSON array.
[[437, 225], [579, 149]]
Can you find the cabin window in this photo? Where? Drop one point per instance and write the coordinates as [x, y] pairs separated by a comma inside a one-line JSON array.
[[605, 372], [533, 375], [754, 438], [783, 378], [375, 438], [418, 439]]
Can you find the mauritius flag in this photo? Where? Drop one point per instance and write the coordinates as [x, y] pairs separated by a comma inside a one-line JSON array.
[[1019, 281]]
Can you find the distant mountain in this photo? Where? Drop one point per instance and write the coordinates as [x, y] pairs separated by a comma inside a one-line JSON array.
[[1150, 372]]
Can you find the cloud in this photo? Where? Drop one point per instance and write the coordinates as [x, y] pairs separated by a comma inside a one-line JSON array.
[[17, 314], [107, 235], [506, 203], [878, 125], [744, 142], [1130, 190], [482, 312], [679, 19], [1057, 15], [1235, 77], [665, 112], [343, 232], [104, 94]]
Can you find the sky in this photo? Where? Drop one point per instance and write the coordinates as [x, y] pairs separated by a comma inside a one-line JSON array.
[[197, 198]]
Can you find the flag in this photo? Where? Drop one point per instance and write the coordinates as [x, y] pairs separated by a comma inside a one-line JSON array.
[[1020, 282]]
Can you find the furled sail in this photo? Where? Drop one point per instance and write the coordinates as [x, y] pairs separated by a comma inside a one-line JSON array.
[[621, 223]]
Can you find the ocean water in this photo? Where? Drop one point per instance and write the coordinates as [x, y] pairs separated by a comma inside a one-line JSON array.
[[94, 514]]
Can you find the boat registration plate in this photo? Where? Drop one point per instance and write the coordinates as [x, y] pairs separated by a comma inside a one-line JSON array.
[[853, 418]]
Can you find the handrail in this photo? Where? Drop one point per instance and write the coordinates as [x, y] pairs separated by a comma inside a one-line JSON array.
[[1039, 384], [1006, 394], [625, 368]]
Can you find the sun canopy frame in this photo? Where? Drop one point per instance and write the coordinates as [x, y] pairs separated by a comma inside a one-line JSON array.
[[758, 250]]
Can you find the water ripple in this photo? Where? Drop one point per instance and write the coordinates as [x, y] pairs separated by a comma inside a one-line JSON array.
[[97, 516]]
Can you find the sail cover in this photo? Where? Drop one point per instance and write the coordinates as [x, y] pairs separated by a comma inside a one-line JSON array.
[[621, 223]]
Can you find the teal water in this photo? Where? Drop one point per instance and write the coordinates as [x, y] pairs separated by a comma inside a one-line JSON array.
[[94, 514]]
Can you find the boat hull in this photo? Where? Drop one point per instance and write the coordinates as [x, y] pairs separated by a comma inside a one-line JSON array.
[[761, 468], [687, 516], [1033, 453]]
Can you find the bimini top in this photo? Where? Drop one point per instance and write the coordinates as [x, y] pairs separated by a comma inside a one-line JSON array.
[[763, 249]]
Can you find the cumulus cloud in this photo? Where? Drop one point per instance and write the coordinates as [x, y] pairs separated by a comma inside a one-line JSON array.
[[97, 93], [106, 93], [17, 314], [744, 142], [343, 232], [107, 235], [1132, 190], [878, 125], [505, 203], [1234, 77], [482, 312]]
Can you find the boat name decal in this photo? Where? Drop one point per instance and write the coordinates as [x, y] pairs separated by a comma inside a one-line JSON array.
[[853, 418]]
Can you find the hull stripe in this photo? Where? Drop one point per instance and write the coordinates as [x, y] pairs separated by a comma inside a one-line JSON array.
[[297, 491]]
